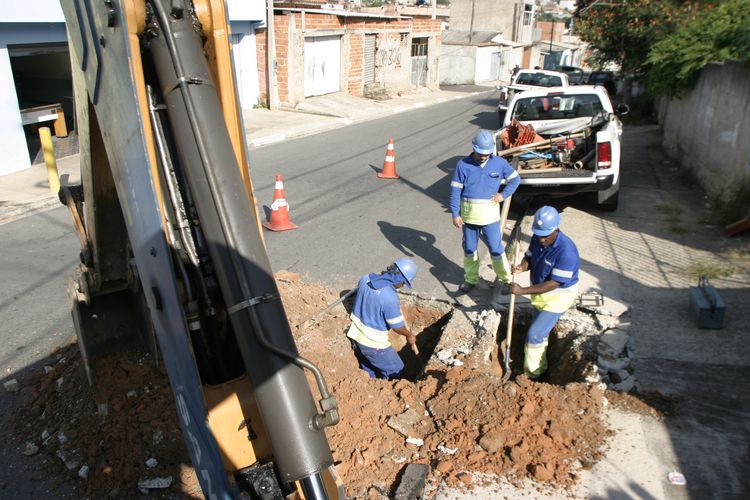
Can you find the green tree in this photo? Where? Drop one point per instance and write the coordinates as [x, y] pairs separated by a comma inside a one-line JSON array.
[[717, 34], [623, 31]]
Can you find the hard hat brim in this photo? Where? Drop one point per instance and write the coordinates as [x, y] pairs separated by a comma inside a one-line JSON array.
[[482, 151], [543, 232], [406, 280]]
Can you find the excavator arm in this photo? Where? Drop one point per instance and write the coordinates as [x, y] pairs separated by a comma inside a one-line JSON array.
[[172, 254]]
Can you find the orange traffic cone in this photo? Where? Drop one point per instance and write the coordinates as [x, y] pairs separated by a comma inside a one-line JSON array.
[[389, 165], [279, 219]]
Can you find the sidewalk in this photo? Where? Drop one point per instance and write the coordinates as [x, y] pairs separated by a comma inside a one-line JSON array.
[[26, 192]]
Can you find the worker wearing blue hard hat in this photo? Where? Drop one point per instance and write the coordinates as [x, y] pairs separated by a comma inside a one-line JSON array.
[[552, 259], [376, 311], [481, 181]]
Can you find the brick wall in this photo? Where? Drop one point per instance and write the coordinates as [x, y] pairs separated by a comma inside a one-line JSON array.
[[356, 64], [290, 48]]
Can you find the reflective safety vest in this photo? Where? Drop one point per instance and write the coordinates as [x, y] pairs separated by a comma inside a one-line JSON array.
[[473, 186], [559, 262], [375, 312]]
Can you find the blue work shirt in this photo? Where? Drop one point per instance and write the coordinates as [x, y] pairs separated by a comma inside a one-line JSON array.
[[473, 186], [559, 261], [375, 312]]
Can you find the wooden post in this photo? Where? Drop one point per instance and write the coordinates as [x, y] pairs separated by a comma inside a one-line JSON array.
[[61, 130]]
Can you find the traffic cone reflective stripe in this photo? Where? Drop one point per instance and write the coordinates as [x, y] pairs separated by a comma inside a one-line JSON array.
[[389, 165], [279, 219]]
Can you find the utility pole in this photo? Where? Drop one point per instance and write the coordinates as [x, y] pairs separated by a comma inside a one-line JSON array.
[[273, 89], [551, 36]]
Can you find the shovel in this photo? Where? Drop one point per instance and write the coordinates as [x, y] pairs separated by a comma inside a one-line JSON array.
[[511, 310], [328, 308]]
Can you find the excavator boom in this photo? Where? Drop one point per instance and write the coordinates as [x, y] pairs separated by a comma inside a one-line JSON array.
[[170, 234]]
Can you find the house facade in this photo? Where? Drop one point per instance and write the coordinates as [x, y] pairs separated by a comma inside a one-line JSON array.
[[325, 50], [486, 39]]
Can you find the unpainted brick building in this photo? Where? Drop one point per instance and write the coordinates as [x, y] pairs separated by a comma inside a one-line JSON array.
[[360, 53]]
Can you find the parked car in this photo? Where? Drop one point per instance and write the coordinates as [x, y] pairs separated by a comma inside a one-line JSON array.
[[604, 79], [577, 148], [530, 79], [576, 75]]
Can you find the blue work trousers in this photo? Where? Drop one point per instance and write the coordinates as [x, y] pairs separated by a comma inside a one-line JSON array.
[[542, 323], [490, 234], [379, 363]]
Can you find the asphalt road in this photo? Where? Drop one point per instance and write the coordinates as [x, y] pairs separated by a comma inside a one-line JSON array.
[[351, 222]]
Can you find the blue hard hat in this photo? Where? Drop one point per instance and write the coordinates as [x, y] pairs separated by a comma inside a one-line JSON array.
[[483, 142], [546, 220], [408, 269]]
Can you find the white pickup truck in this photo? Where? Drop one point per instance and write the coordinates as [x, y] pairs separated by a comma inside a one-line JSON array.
[[574, 146], [530, 79]]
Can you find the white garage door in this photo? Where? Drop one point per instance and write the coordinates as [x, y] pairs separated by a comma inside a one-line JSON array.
[[322, 65]]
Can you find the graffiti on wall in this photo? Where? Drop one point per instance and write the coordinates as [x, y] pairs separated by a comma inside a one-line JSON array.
[[389, 54]]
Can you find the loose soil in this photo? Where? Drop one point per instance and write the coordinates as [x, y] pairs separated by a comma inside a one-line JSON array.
[[469, 421]]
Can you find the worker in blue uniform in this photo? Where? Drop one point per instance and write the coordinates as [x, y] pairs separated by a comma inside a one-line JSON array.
[[474, 203], [376, 311], [552, 258]]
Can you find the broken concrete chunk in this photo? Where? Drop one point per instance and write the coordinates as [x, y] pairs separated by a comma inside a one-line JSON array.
[[62, 438], [131, 394], [616, 339], [415, 441], [102, 409], [151, 463], [83, 472], [447, 451], [615, 307], [29, 449], [11, 385], [612, 364], [593, 378], [59, 383], [412, 482], [48, 369], [619, 376], [445, 354], [406, 423], [157, 483], [626, 385], [70, 460], [605, 350]]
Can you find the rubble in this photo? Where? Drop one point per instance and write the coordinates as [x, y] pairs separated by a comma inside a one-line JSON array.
[[456, 416], [70, 459], [157, 483], [12, 385], [406, 423], [29, 449]]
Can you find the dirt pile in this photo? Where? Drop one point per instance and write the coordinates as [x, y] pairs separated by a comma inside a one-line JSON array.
[[109, 442], [460, 421]]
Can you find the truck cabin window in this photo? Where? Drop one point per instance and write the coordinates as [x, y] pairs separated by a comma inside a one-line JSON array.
[[560, 107]]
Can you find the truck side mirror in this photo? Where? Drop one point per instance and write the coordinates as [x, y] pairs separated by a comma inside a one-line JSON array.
[[622, 109]]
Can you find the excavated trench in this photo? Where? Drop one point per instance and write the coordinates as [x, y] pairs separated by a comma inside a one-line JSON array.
[[453, 413], [568, 361]]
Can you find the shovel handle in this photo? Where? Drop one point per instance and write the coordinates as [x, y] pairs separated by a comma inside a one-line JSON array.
[[511, 310]]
